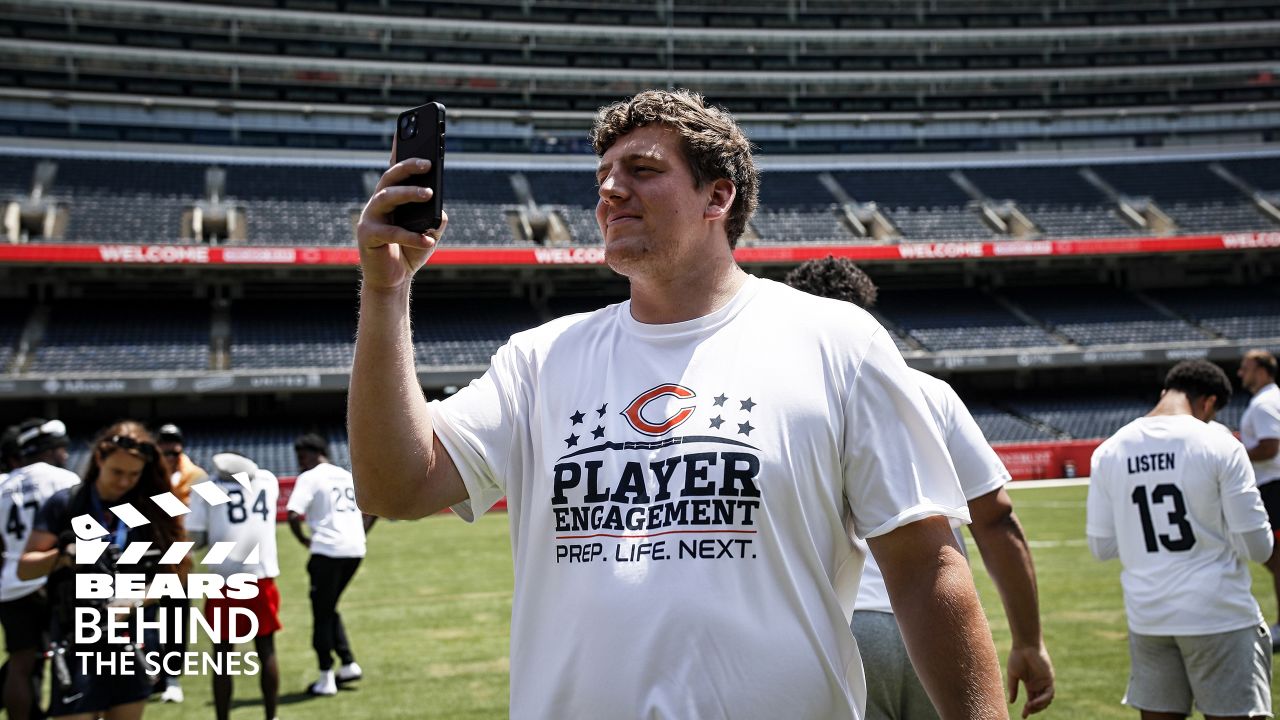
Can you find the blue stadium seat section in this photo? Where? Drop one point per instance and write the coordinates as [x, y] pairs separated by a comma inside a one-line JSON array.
[[1084, 418], [1195, 198], [1102, 315], [316, 334], [959, 319], [1056, 198], [795, 208], [1237, 313], [139, 334], [267, 442], [999, 426], [453, 333], [144, 201], [133, 202], [321, 333], [12, 322]]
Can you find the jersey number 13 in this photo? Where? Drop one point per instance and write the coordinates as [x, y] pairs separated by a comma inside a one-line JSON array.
[[1186, 538]]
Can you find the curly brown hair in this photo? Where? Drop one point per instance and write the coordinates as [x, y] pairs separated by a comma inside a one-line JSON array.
[[711, 140], [836, 278]]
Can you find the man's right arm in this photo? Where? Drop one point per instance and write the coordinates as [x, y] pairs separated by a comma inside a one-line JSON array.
[[400, 468], [1007, 557], [942, 622]]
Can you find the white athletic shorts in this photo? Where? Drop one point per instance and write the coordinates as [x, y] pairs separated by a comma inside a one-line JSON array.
[[1225, 674]]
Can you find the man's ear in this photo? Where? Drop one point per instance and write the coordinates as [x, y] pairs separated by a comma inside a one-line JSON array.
[[721, 200], [1207, 407]]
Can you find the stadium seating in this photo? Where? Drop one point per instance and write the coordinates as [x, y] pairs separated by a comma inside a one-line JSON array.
[[1239, 313], [1084, 417], [953, 319], [1000, 426], [316, 334], [1101, 316], [138, 334], [12, 321], [136, 201], [452, 332]]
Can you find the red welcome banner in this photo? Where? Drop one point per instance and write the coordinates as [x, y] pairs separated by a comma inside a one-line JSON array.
[[95, 254]]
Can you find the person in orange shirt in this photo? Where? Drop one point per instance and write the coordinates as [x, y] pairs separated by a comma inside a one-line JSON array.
[[183, 473]]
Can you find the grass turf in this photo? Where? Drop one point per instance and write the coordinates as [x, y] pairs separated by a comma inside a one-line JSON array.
[[428, 617]]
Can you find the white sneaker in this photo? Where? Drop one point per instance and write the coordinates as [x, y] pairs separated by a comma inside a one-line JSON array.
[[173, 694], [326, 685], [349, 672]]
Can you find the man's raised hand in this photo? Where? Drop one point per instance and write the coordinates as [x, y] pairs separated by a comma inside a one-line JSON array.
[[389, 254]]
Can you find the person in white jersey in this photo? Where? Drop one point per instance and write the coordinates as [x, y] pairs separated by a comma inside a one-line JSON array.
[[1175, 500], [249, 521], [1260, 433], [325, 495], [894, 691], [24, 609], [682, 470]]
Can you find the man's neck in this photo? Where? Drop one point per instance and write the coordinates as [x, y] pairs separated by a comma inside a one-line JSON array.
[[1172, 403], [684, 296]]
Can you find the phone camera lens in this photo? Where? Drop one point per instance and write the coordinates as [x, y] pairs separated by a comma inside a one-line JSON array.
[[408, 126]]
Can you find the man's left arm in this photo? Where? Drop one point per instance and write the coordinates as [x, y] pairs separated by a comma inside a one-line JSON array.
[[1266, 449], [941, 619], [1266, 422], [1007, 557]]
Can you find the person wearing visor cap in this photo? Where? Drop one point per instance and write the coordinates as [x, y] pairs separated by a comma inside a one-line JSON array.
[[24, 609], [183, 473], [249, 521]]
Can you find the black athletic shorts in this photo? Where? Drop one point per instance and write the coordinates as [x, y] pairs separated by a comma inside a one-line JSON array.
[[26, 622], [1271, 501], [92, 693]]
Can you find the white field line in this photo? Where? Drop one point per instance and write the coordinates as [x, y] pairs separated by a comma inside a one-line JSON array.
[[1032, 484]]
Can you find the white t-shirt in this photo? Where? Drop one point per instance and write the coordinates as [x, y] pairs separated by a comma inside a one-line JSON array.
[[327, 496], [23, 492], [1261, 420], [681, 500], [1169, 489], [249, 521], [977, 465]]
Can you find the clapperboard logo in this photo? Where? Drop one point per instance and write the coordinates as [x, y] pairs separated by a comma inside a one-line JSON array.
[[114, 609]]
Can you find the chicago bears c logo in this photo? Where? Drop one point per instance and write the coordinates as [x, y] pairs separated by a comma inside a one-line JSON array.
[[635, 411]]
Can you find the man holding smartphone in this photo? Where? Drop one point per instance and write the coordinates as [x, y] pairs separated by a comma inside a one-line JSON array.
[[682, 470]]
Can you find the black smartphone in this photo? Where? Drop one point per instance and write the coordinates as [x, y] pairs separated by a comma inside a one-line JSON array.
[[420, 134]]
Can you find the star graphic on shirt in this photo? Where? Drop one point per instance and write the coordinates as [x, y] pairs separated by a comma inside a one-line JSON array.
[[571, 441], [716, 422], [745, 428], [721, 399], [747, 404], [598, 432], [576, 418], [602, 409]]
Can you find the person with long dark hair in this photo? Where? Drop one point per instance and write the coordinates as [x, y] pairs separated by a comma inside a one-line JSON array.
[[125, 467]]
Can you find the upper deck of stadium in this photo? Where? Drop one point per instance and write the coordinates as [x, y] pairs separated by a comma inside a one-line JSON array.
[[525, 76]]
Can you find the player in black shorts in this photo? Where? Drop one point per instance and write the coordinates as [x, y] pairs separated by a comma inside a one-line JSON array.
[[125, 467]]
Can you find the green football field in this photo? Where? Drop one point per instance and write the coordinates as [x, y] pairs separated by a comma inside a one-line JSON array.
[[428, 616]]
